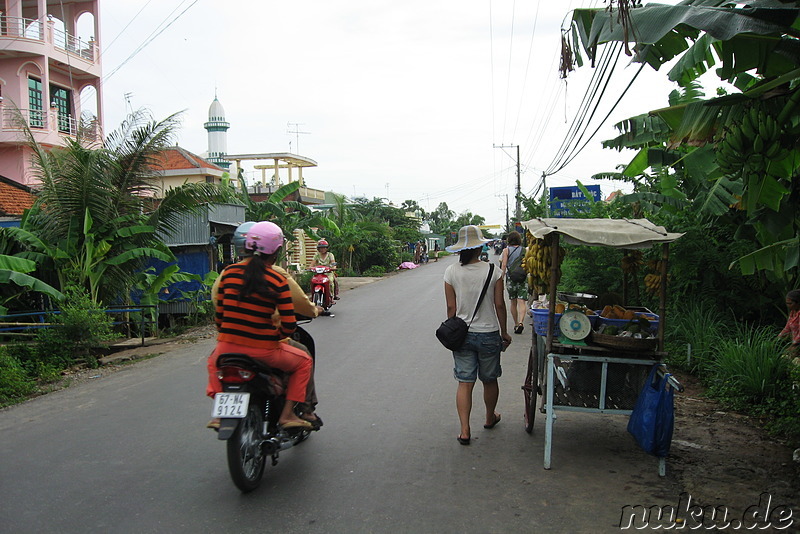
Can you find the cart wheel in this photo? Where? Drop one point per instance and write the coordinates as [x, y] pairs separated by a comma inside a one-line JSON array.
[[530, 390]]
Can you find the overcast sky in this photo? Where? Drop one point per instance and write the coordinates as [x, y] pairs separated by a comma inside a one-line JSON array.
[[401, 100]]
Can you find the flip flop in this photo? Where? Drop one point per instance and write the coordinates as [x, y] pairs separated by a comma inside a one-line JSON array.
[[463, 441], [497, 418]]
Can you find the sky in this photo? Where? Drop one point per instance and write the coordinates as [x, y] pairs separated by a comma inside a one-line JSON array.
[[410, 100]]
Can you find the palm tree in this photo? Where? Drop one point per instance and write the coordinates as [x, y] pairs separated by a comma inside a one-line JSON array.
[[95, 220]]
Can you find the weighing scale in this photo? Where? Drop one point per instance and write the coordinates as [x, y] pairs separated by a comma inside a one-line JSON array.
[[575, 327]]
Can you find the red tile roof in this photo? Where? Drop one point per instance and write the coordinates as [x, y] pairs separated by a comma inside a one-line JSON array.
[[14, 198], [178, 158]]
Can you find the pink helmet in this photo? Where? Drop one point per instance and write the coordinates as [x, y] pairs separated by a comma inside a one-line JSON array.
[[263, 238], [322, 243]]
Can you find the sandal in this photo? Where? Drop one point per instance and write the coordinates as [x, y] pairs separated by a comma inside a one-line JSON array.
[[463, 441], [518, 329]]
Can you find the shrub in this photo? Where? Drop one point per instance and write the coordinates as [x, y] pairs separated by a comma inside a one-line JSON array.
[[375, 270], [749, 366], [80, 327], [14, 381], [693, 333]]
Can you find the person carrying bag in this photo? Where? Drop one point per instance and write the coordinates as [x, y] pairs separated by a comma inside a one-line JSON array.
[[478, 355]]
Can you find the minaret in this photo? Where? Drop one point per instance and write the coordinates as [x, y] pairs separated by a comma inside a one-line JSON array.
[[217, 128]]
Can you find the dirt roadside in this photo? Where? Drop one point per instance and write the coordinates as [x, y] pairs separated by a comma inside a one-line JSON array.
[[718, 457]]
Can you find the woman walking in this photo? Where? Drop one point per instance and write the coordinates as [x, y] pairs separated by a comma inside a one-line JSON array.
[[517, 291], [479, 356]]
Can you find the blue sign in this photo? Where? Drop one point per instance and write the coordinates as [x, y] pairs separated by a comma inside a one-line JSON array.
[[569, 200]]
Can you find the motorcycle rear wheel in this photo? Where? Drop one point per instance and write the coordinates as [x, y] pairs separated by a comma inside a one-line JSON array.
[[318, 299], [246, 458]]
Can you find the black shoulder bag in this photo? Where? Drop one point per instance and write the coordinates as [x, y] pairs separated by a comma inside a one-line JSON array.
[[453, 331]]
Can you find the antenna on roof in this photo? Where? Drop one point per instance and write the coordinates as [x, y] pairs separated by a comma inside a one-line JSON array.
[[297, 133], [128, 102]]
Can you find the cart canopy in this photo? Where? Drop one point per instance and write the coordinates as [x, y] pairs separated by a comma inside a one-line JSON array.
[[615, 233]]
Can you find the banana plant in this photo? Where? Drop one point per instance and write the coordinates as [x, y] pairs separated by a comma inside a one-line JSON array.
[[15, 270], [735, 151]]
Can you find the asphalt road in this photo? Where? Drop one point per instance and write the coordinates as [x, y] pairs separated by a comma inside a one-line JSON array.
[[129, 452]]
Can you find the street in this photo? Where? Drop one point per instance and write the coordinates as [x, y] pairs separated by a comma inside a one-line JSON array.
[[129, 452]]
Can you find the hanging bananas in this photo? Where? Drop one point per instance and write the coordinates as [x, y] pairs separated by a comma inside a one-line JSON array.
[[750, 142], [652, 281], [537, 263], [631, 261]]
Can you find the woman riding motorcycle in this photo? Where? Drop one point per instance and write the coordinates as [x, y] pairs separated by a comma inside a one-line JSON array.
[[327, 259], [249, 292]]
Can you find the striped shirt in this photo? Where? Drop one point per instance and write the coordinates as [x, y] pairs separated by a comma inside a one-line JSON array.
[[248, 321]]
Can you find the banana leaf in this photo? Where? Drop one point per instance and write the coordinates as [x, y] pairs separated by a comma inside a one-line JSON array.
[[26, 280]]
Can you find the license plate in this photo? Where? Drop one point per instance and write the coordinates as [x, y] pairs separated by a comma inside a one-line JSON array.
[[230, 405]]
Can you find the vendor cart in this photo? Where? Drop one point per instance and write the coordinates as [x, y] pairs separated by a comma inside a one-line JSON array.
[[602, 374]]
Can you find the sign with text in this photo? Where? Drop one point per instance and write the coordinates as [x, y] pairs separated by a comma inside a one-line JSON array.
[[565, 201]]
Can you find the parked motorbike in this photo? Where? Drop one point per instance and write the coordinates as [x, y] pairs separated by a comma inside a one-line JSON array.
[[249, 405], [484, 256], [498, 248], [321, 294]]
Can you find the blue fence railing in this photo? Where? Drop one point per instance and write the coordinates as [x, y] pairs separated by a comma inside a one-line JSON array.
[[13, 325]]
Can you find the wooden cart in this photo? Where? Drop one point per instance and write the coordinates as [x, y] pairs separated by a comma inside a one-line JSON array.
[[595, 368]]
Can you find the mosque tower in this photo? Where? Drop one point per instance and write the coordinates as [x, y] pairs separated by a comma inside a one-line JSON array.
[[217, 128]]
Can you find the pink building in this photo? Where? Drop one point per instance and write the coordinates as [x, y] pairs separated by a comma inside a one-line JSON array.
[[49, 77]]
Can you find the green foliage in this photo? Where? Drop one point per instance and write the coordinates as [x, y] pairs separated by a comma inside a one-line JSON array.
[[94, 221], [594, 270], [375, 271], [14, 381], [748, 365], [77, 330], [694, 330], [744, 366]]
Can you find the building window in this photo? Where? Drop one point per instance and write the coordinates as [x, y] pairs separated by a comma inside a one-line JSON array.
[[62, 99], [36, 110]]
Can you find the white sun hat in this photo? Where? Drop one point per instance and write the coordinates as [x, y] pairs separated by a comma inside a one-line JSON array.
[[469, 236]]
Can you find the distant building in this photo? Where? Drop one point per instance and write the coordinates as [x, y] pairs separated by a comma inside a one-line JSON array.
[[47, 72], [178, 166], [15, 198], [217, 128]]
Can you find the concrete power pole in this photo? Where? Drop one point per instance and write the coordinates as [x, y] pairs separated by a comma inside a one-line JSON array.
[[518, 209]]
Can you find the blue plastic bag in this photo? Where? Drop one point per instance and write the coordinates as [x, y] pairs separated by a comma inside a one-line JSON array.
[[653, 417]]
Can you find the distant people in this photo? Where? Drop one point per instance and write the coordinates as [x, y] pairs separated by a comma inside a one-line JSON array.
[[479, 356], [792, 328], [327, 259], [517, 291], [436, 250], [418, 252]]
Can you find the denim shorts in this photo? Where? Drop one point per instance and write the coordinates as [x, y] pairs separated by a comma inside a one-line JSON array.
[[479, 357]]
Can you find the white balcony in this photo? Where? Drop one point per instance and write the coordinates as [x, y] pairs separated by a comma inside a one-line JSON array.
[[48, 127], [19, 34]]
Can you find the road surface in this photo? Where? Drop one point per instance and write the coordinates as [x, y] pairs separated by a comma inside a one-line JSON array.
[[129, 452]]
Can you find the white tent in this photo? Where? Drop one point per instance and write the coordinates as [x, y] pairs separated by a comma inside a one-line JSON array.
[[616, 233]]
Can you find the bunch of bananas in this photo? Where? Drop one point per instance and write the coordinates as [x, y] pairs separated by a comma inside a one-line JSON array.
[[747, 145], [652, 281], [537, 263], [631, 261]]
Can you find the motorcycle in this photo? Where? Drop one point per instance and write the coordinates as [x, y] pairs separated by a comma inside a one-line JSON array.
[[321, 288], [484, 256], [249, 405]]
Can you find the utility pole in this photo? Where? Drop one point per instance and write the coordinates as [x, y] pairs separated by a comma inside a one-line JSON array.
[[517, 210]]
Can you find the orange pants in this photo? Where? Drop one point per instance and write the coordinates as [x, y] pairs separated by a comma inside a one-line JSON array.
[[284, 357]]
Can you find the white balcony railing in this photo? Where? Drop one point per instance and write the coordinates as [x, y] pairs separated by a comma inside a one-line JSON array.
[[12, 119], [33, 30]]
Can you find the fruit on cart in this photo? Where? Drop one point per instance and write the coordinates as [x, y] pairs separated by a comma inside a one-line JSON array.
[[537, 263]]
